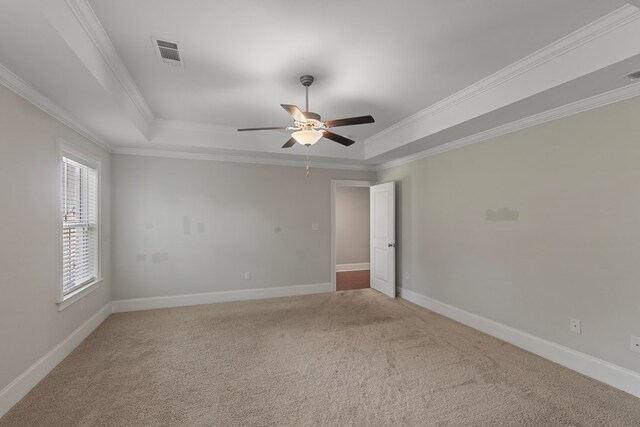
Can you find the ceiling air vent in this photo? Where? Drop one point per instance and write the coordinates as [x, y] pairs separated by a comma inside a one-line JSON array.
[[168, 52], [634, 76]]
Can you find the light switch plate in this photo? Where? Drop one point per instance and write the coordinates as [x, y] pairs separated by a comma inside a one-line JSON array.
[[315, 226]]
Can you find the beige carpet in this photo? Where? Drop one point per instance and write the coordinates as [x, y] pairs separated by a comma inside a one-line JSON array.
[[349, 358]]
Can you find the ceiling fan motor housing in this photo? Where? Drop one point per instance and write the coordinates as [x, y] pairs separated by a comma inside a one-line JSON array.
[[313, 121]]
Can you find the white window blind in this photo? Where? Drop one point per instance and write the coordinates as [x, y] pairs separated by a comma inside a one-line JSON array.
[[79, 225]]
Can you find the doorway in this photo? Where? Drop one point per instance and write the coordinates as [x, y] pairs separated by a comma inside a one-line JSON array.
[[350, 240]]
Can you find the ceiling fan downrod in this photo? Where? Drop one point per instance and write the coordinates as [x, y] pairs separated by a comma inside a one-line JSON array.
[[306, 81]]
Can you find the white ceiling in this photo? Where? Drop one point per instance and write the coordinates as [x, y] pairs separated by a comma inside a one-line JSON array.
[[243, 58], [95, 60]]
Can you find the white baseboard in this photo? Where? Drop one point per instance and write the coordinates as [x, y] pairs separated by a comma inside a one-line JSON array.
[[608, 373], [353, 267], [18, 388], [138, 304]]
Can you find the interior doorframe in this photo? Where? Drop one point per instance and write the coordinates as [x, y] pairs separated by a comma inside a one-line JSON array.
[[335, 183]]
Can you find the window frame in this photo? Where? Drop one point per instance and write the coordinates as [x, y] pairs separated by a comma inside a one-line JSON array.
[[69, 151]]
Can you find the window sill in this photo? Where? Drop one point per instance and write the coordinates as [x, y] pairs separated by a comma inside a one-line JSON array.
[[78, 294]]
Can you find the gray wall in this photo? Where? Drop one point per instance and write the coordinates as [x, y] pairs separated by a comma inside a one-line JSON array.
[[192, 226], [528, 229], [30, 324], [352, 225], [533, 228]]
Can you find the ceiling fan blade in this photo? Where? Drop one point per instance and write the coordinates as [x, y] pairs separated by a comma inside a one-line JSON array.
[[295, 112], [338, 138], [361, 120], [290, 143], [271, 128]]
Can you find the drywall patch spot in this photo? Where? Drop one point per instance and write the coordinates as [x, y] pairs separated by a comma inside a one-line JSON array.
[[149, 226], [159, 257], [277, 229], [502, 214], [141, 257], [201, 227], [186, 225]]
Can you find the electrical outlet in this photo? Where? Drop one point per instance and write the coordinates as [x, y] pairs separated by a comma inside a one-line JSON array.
[[635, 343], [407, 276], [574, 326], [247, 275]]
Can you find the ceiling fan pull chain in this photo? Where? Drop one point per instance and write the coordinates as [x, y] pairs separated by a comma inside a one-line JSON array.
[[307, 160]]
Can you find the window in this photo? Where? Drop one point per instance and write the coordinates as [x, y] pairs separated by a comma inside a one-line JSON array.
[[80, 261]]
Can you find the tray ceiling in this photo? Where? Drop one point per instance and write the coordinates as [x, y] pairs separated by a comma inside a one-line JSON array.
[[95, 60]]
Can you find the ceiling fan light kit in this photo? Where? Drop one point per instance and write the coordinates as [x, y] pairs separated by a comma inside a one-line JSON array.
[[307, 137]]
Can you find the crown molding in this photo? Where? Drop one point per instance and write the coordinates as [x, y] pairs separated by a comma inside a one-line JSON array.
[[23, 89], [586, 104], [87, 18], [148, 152], [589, 33]]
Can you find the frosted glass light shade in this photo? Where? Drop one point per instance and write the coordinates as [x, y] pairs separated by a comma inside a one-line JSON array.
[[307, 137]]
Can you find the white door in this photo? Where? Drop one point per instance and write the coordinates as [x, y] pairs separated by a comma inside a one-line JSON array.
[[383, 238]]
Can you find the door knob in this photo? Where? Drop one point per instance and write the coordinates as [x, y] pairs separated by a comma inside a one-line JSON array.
[[391, 245]]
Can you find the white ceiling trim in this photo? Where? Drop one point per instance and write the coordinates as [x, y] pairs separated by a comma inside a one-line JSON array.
[[87, 18], [426, 121], [23, 89], [586, 104], [72, 27], [239, 159]]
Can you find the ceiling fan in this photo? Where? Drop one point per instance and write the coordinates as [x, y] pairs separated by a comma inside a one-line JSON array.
[[308, 126]]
